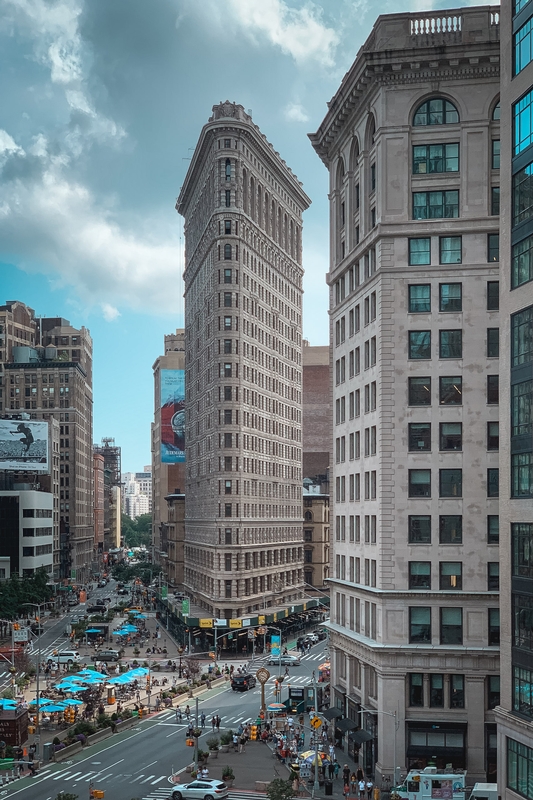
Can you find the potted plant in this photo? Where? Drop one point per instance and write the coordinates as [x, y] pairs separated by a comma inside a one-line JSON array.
[[228, 776], [194, 773], [197, 732], [203, 755], [225, 741], [212, 743]]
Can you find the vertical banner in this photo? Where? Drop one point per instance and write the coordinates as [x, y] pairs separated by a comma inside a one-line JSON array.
[[275, 645], [172, 416]]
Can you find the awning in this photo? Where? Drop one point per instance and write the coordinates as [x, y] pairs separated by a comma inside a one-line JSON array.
[[345, 725], [332, 713], [360, 736]]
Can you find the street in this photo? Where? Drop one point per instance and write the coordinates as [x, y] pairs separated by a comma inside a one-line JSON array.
[[137, 763]]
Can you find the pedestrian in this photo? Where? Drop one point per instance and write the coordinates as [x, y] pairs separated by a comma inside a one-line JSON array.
[[202, 719], [346, 773], [353, 783], [346, 791], [187, 712], [332, 752], [337, 767], [331, 770], [235, 743], [213, 723], [369, 787], [218, 723], [360, 774], [205, 773], [376, 793], [242, 743], [361, 786]]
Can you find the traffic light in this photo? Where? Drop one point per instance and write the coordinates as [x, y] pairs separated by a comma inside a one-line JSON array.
[[253, 733], [16, 626]]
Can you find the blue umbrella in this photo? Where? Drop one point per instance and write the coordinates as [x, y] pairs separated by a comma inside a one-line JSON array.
[[43, 701], [71, 687], [89, 673], [5, 702], [141, 616], [93, 630], [50, 709], [70, 701]]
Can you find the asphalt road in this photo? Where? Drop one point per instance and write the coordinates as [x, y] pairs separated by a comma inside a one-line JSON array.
[[136, 764]]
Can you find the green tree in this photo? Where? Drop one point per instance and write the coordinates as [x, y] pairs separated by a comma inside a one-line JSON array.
[[278, 789], [137, 532]]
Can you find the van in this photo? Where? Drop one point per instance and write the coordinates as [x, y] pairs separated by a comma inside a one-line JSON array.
[[66, 657], [241, 683], [484, 791]]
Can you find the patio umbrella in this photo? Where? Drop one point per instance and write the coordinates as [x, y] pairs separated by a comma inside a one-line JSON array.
[[89, 673], [140, 616], [276, 707], [71, 687], [138, 671], [5, 702], [54, 707], [43, 701], [93, 630], [309, 757], [70, 701], [129, 629]]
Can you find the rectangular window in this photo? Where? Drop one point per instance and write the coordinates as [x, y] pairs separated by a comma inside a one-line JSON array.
[[419, 529], [450, 575], [420, 251], [227, 198], [451, 482], [435, 205], [522, 337], [493, 576], [419, 390], [522, 195], [416, 689], [451, 529], [523, 693], [420, 574], [451, 626], [494, 626], [419, 437], [493, 247], [435, 158], [451, 436], [457, 691], [493, 529], [495, 201], [436, 690], [419, 298], [450, 296], [495, 154], [523, 123], [522, 475], [227, 323], [420, 625], [419, 344], [493, 390], [451, 252], [419, 483], [493, 691], [522, 550], [493, 435], [522, 262], [227, 299], [493, 342], [227, 370], [523, 46], [451, 344], [493, 295]]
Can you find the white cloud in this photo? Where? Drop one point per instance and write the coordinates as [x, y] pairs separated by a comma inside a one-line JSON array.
[[8, 144], [298, 32], [110, 313], [56, 226], [295, 112]]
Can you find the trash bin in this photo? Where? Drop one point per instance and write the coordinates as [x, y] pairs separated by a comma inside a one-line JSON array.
[[328, 788], [48, 750]]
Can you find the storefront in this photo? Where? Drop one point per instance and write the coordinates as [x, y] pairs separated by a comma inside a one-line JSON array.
[[436, 744]]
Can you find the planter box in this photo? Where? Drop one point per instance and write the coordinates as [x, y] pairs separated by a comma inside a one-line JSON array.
[[99, 736], [67, 752], [213, 754]]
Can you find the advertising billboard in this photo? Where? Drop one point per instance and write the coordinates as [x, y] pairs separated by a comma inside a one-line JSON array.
[[172, 416], [24, 445]]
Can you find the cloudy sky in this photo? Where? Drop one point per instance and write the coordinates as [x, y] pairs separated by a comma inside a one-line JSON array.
[[102, 103]]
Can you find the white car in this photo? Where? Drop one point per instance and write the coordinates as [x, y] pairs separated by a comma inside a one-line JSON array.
[[312, 637], [284, 661], [201, 789]]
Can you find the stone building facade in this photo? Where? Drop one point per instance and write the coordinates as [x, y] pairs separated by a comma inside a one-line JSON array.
[[316, 428], [167, 478], [243, 319], [46, 371], [411, 141], [515, 713]]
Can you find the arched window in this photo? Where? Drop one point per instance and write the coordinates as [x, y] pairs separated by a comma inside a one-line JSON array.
[[496, 112], [308, 516], [436, 111], [228, 169], [227, 252]]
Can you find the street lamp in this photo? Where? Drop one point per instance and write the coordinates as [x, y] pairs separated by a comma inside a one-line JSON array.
[[388, 714], [37, 696]]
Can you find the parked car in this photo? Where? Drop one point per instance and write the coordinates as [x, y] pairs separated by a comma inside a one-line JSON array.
[[107, 655], [241, 683], [100, 601], [322, 634], [312, 637], [73, 601], [123, 591], [285, 661], [201, 790]]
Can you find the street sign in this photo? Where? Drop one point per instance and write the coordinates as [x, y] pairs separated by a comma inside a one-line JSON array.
[[316, 722], [251, 633], [164, 592], [21, 635], [185, 606]]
